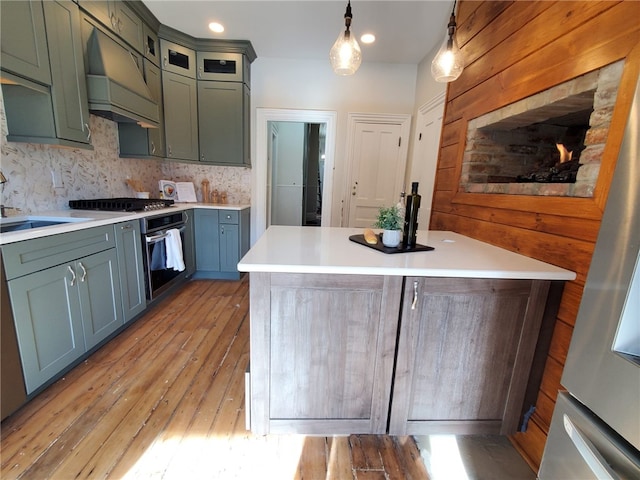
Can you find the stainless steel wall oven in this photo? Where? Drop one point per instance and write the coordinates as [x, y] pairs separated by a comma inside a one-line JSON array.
[[155, 231]]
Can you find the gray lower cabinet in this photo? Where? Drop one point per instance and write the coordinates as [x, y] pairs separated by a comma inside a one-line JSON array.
[[63, 311], [223, 122], [131, 269], [323, 349], [180, 100], [66, 298], [207, 241], [23, 42], [222, 238]]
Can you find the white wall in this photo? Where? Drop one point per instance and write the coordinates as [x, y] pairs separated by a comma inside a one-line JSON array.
[[312, 85]]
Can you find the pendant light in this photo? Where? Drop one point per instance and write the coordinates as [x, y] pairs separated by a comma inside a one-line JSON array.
[[345, 55], [447, 64]]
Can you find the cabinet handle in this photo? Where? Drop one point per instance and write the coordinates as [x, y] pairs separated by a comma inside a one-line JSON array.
[[415, 295], [165, 62], [169, 148], [86, 125], [200, 72], [73, 275], [221, 230], [202, 157], [114, 21], [153, 147], [84, 272], [126, 227]]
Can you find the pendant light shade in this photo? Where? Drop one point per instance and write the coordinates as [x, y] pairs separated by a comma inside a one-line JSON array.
[[447, 65], [345, 55]]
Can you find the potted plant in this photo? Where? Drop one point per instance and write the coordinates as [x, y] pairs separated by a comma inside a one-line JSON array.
[[391, 224]]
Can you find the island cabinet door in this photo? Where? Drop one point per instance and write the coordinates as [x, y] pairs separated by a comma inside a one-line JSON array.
[[465, 351], [322, 351]]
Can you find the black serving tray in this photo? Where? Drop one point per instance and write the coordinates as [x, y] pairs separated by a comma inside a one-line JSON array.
[[381, 248]]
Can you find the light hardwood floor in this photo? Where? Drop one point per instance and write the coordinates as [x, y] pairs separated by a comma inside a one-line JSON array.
[[165, 399]]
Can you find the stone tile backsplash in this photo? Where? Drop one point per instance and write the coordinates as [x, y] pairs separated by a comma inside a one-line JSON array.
[[97, 173]]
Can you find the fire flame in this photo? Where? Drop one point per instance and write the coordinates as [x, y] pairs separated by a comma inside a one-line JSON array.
[[565, 155]]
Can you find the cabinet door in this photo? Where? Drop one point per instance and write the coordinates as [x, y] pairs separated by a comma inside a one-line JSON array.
[[229, 247], [464, 355], [69, 91], [128, 25], [23, 41], [180, 116], [221, 122], [100, 296], [48, 322], [225, 67], [151, 44], [130, 265], [178, 59], [322, 349], [207, 240], [153, 78]]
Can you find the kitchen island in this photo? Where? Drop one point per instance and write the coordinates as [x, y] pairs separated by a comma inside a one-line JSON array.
[[346, 339]]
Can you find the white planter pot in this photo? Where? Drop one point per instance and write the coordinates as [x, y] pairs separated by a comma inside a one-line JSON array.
[[391, 238]]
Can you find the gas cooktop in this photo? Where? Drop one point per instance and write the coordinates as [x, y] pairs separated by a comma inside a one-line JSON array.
[[120, 204]]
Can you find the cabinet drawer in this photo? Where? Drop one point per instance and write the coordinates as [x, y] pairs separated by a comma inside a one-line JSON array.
[[229, 216], [22, 258], [226, 67]]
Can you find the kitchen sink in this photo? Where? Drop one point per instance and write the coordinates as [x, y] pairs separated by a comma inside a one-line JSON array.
[[24, 223]]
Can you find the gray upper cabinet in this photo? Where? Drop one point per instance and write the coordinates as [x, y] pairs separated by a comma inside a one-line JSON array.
[[178, 59], [127, 24], [225, 67], [56, 114], [136, 141], [67, 69], [180, 99], [119, 18], [23, 42], [221, 122], [151, 44]]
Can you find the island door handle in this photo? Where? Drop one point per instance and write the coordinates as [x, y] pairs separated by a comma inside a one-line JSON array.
[[415, 295], [73, 276]]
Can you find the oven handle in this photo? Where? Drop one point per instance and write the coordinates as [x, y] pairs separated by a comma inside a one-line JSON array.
[[162, 236]]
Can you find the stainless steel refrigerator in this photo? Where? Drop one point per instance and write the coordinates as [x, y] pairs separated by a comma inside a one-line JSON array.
[[595, 429]]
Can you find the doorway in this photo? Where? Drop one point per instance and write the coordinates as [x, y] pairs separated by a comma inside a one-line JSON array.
[[261, 197], [295, 173]]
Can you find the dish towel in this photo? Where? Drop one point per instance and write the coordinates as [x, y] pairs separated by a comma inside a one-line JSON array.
[[158, 257], [173, 245]]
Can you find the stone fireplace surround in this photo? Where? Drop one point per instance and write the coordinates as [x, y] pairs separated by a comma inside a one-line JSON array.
[[520, 138]]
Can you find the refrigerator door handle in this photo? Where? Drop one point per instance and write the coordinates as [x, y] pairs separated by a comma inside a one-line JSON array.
[[589, 452]]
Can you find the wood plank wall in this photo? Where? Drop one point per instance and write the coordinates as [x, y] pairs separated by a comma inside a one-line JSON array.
[[513, 50]]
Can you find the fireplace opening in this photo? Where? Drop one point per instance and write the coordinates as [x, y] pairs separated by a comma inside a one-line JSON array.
[[548, 144]]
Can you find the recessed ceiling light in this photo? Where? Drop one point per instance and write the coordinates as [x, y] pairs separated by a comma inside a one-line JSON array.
[[368, 38], [216, 27]]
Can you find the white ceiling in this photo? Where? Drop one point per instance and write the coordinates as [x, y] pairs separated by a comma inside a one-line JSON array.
[[306, 29]]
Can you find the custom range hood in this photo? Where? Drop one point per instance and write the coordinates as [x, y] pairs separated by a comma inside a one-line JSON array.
[[115, 85]]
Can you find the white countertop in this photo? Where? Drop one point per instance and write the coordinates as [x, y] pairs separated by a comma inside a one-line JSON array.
[[81, 219], [329, 250]]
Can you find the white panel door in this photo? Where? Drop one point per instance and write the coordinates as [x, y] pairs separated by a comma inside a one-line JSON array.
[[425, 155], [377, 170]]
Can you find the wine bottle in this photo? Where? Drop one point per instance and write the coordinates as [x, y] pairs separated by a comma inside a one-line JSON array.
[[411, 218]]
